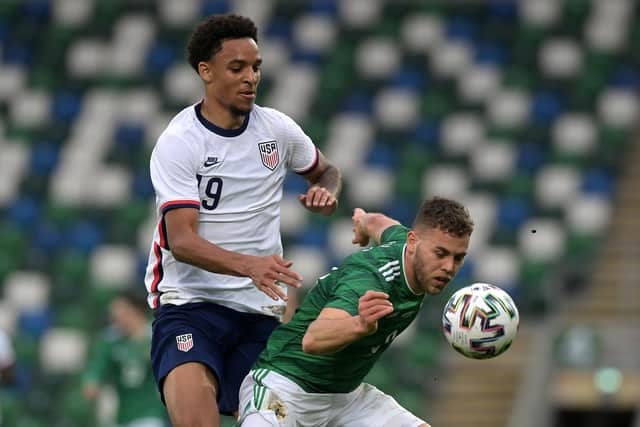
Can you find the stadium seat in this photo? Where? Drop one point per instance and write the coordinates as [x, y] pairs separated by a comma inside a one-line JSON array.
[[309, 262], [27, 290], [112, 266], [497, 265], [63, 350]]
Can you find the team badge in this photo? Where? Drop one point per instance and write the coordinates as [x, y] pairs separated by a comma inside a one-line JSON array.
[[184, 342], [269, 154]]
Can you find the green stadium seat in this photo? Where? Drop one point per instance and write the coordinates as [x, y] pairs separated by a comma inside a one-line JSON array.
[[415, 160], [130, 216], [437, 103], [70, 273], [536, 279]]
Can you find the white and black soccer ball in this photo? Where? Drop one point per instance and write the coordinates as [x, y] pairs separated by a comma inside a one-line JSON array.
[[480, 321]]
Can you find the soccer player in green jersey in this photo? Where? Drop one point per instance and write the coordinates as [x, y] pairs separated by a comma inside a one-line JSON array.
[[311, 372], [121, 358]]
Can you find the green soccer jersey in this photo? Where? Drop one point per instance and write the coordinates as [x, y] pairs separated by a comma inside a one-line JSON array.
[[125, 363], [380, 268]]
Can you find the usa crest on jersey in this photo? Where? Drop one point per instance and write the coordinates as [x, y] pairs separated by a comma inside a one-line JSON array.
[[269, 154], [184, 342]]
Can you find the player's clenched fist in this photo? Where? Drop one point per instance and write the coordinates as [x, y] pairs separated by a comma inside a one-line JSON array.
[[360, 236], [319, 200], [373, 306], [267, 272]]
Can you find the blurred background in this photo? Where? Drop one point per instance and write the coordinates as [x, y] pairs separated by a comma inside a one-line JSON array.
[[524, 110]]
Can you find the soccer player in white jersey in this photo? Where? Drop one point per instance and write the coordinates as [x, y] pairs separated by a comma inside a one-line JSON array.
[[215, 277]]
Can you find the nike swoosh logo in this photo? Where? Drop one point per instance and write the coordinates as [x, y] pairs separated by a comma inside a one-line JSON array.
[[211, 163]]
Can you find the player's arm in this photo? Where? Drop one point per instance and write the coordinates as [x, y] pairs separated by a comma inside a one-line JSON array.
[[293, 301], [97, 368], [334, 329], [325, 183], [368, 226], [187, 246]]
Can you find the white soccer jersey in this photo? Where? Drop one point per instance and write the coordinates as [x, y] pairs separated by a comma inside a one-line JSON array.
[[234, 178]]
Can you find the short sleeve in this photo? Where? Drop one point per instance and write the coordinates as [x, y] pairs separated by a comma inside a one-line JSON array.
[[173, 169], [303, 154], [351, 285], [394, 233]]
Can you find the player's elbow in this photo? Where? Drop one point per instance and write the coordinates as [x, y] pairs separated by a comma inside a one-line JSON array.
[[310, 345], [180, 249]]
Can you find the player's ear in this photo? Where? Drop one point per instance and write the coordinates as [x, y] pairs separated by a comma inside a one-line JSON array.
[[205, 71], [412, 242]]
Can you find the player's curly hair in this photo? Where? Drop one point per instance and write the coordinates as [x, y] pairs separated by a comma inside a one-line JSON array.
[[445, 214], [206, 40]]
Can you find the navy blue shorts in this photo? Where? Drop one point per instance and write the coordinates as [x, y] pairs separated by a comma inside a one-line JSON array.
[[225, 340]]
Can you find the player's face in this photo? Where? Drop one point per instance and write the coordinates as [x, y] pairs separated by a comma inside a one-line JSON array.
[[236, 74], [123, 315], [437, 257]]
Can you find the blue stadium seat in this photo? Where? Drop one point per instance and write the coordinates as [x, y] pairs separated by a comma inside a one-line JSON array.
[[625, 76], [531, 157], [358, 102], [44, 158], [598, 181], [409, 78], [161, 56], [37, 11], [210, 7], [18, 54], [23, 212], [66, 106], [48, 237], [427, 133], [129, 136], [142, 187], [34, 323], [382, 155], [325, 7], [279, 28], [502, 10], [402, 209], [491, 53], [84, 236], [303, 56], [461, 28], [313, 235], [512, 213], [545, 107]]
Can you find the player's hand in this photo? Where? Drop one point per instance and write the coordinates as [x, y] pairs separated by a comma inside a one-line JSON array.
[[360, 236], [268, 272], [319, 200], [373, 306]]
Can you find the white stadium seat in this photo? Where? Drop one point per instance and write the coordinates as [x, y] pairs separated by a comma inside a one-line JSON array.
[[546, 244], [377, 58], [63, 350], [27, 290], [113, 266]]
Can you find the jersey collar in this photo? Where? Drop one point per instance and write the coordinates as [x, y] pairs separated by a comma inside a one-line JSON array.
[[218, 130], [404, 272]]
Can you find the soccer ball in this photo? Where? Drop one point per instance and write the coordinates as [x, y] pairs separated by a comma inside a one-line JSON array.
[[480, 321]]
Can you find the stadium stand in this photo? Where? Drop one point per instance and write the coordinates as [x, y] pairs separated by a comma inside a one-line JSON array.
[[525, 111]]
